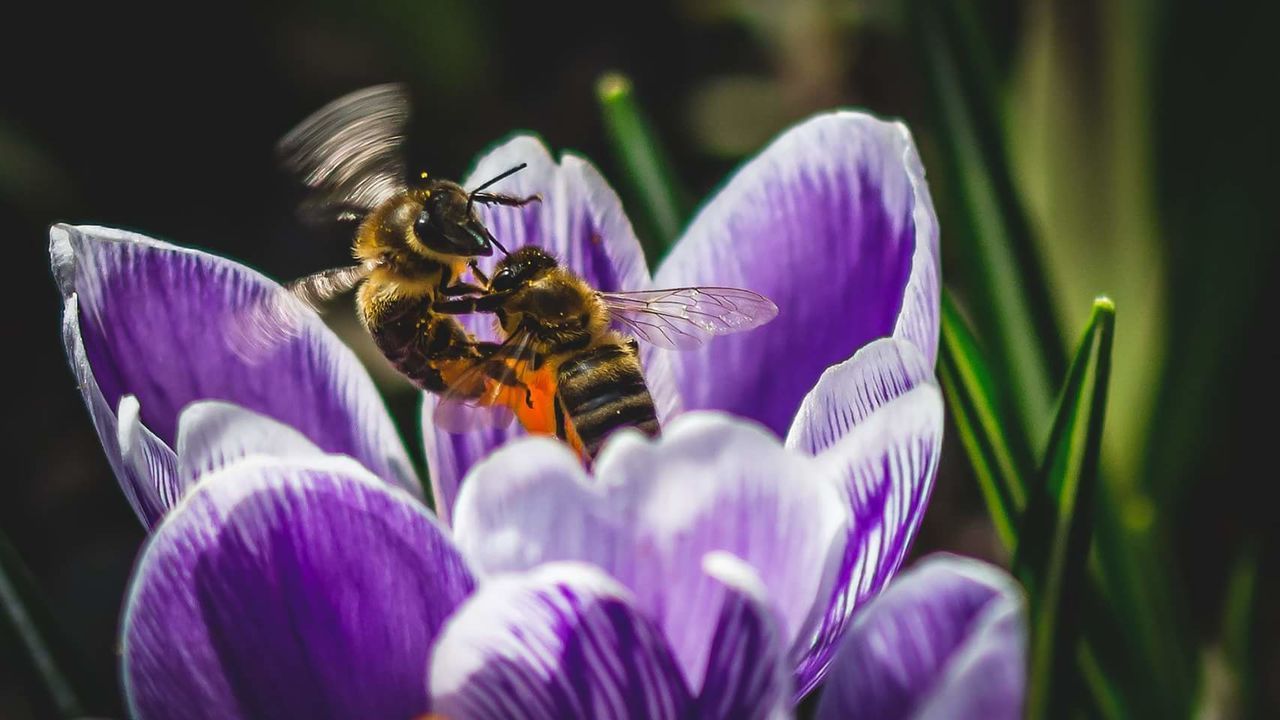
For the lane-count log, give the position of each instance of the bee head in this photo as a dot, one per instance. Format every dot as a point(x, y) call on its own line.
point(521, 268)
point(447, 223)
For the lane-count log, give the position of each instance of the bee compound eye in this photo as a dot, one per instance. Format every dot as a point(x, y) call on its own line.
point(423, 222)
point(504, 279)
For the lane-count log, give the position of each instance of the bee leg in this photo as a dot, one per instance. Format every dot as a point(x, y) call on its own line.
point(500, 199)
point(484, 348)
point(501, 372)
point(449, 288)
point(461, 289)
point(462, 306)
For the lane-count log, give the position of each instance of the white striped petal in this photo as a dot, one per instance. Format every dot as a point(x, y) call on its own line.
point(166, 325)
point(213, 434)
point(562, 641)
point(654, 509)
point(748, 674)
point(834, 223)
point(151, 466)
point(875, 422)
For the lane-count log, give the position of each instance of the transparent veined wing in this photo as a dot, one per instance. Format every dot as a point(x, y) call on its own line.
point(685, 318)
point(484, 394)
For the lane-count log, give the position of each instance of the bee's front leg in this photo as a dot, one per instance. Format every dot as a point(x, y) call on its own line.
point(501, 199)
point(463, 306)
point(448, 288)
point(461, 289)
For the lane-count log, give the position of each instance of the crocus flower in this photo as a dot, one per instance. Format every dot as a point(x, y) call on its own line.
point(833, 222)
point(306, 587)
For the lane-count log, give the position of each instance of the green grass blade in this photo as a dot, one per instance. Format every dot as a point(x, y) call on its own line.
point(1008, 288)
point(989, 229)
point(1052, 557)
point(997, 449)
point(28, 634)
point(1002, 462)
point(650, 181)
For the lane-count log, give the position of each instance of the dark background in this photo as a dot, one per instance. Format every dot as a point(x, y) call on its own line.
point(163, 121)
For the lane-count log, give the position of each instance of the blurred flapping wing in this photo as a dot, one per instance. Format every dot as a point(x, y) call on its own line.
point(350, 152)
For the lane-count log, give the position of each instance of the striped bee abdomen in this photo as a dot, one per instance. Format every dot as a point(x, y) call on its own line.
point(601, 390)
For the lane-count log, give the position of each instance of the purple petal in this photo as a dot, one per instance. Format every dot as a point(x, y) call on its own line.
point(152, 467)
point(748, 674)
point(946, 640)
point(581, 221)
point(876, 423)
point(211, 435)
point(655, 509)
point(289, 589)
point(834, 223)
point(146, 493)
point(563, 641)
point(214, 434)
point(155, 321)
point(451, 455)
point(848, 393)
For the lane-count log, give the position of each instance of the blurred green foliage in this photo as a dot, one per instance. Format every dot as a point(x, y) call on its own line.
point(33, 640)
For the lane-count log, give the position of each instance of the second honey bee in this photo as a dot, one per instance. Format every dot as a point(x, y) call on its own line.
point(563, 368)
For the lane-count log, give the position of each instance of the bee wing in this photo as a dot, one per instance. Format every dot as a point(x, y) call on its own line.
point(685, 318)
point(481, 395)
point(325, 285)
point(349, 152)
point(282, 315)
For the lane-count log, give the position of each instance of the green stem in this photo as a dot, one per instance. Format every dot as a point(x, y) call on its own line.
point(650, 181)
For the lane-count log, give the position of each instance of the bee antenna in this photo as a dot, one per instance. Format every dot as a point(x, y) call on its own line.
point(498, 245)
point(471, 197)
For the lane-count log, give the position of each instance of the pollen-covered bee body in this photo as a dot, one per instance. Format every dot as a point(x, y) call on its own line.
point(395, 301)
point(427, 348)
point(414, 241)
point(561, 311)
point(598, 379)
point(563, 369)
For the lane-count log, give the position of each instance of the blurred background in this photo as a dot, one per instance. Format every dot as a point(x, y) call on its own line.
point(1134, 138)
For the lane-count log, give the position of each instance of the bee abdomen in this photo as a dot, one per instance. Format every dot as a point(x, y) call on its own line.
point(602, 390)
point(419, 343)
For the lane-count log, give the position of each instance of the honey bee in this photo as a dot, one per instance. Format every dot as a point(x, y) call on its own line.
point(564, 368)
point(413, 244)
